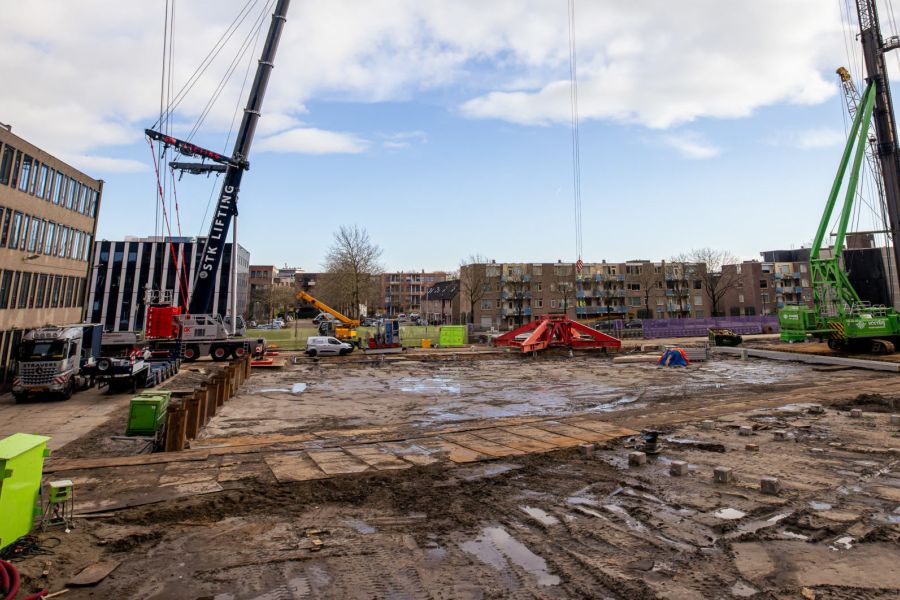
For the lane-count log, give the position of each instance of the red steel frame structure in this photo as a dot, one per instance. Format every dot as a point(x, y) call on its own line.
point(555, 331)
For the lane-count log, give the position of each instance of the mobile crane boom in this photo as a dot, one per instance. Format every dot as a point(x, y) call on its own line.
point(201, 300)
point(325, 308)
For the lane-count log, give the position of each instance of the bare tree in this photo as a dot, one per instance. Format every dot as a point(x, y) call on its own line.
point(473, 281)
point(716, 281)
point(648, 279)
point(519, 288)
point(284, 298)
point(565, 285)
point(352, 264)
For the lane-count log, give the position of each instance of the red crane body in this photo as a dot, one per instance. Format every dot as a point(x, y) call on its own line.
point(555, 331)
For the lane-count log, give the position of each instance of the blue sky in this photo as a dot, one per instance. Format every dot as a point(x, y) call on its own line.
point(444, 130)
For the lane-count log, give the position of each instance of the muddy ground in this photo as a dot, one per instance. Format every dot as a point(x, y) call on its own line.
point(559, 524)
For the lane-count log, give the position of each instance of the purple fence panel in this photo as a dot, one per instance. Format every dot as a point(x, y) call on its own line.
point(666, 328)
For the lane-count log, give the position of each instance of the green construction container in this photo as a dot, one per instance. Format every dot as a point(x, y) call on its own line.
point(147, 413)
point(21, 467)
point(452, 335)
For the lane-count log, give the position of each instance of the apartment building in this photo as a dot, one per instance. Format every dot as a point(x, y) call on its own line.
point(515, 293)
point(124, 270)
point(48, 219)
point(403, 292)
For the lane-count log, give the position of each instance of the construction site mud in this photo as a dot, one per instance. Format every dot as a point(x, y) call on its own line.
point(460, 478)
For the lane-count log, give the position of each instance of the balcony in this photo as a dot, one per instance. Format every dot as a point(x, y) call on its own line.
point(779, 304)
point(779, 290)
point(796, 274)
point(798, 289)
point(778, 276)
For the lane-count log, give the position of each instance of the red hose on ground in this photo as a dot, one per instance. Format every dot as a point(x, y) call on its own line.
point(9, 583)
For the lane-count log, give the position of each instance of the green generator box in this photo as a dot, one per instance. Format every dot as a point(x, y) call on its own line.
point(452, 335)
point(147, 413)
point(21, 468)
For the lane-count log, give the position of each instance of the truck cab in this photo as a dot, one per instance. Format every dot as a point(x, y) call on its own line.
point(51, 359)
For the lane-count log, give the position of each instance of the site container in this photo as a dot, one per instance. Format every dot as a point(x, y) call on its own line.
point(452, 335)
point(147, 413)
point(21, 467)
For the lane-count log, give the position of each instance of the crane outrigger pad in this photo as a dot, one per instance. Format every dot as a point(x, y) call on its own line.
point(555, 331)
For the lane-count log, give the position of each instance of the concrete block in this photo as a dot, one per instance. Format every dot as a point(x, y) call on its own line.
point(751, 448)
point(780, 435)
point(895, 419)
point(745, 430)
point(677, 468)
point(722, 475)
point(856, 413)
point(587, 450)
point(816, 409)
point(636, 459)
point(708, 424)
point(770, 485)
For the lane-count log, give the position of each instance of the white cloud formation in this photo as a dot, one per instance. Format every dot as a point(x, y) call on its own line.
point(403, 139)
point(104, 164)
point(810, 139)
point(309, 140)
point(690, 145)
point(82, 76)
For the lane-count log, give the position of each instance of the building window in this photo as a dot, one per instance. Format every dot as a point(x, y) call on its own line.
point(14, 291)
point(49, 238)
point(636, 301)
point(485, 305)
point(538, 286)
point(42, 182)
point(82, 199)
point(48, 190)
point(71, 193)
point(26, 288)
point(5, 282)
point(25, 232)
point(33, 235)
point(539, 303)
point(764, 298)
point(552, 302)
point(25, 173)
point(741, 298)
point(804, 282)
point(698, 284)
point(763, 284)
point(14, 232)
point(6, 163)
point(634, 286)
point(536, 270)
point(60, 188)
point(40, 238)
point(698, 300)
point(4, 233)
point(39, 290)
point(802, 267)
point(63, 238)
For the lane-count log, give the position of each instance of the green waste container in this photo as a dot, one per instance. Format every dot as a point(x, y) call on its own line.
point(21, 467)
point(452, 335)
point(147, 413)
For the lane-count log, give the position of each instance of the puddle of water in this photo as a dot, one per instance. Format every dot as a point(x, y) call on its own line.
point(820, 505)
point(790, 535)
point(629, 520)
point(298, 388)
point(581, 501)
point(754, 526)
point(497, 548)
point(273, 390)
point(360, 526)
point(429, 385)
point(486, 471)
point(540, 515)
point(611, 406)
point(729, 514)
point(742, 590)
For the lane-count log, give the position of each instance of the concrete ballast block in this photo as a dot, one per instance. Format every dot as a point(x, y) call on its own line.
point(856, 413)
point(708, 424)
point(816, 409)
point(780, 435)
point(677, 468)
point(722, 475)
point(751, 448)
point(895, 419)
point(636, 459)
point(770, 485)
point(745, 430)
point(587, 450)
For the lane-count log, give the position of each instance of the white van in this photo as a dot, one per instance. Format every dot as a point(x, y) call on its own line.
point(324, 345)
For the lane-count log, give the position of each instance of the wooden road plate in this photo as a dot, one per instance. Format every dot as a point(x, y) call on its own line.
point(337, 462)
point(512, 440)
point(378, 458)
point(481, 445)
point(94, 574)
point(293, 466)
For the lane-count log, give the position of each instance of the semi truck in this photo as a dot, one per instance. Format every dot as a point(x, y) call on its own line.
point(50, 360)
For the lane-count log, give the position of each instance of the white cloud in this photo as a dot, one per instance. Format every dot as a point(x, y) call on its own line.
point(810, 139)
point(403, 139)
point(104, 164)
point(81, 76)
point(690, 145)
point(309, 140)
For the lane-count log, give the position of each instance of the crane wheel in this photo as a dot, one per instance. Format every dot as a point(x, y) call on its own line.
point(239, 352)
point(191, 353)
point(219, 353)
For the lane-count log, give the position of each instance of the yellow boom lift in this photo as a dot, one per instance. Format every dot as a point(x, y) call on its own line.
point(347, 328)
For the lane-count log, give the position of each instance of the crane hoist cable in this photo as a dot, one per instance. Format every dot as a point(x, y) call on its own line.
point(576, 141)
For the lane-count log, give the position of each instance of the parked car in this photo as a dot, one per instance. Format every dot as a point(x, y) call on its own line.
point(324, 345)
point(322, 316)
point(634, 325)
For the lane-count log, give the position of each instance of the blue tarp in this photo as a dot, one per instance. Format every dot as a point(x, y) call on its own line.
point(673, 358)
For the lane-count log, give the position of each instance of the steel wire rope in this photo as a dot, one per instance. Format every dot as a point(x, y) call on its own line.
point(576, 141)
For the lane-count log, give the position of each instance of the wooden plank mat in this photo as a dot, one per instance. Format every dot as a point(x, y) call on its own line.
point(377, 458)
point(605, 428)
point(512, 440)
point(410, 452)
point(55, 465)
point(337, 462)
point(583, 435)
point(560, 441)
point(481, 445)
point(293, 466)
point(251, 440)
point(454, 452)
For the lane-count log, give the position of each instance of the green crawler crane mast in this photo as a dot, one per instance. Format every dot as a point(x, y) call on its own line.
point(839, 315)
